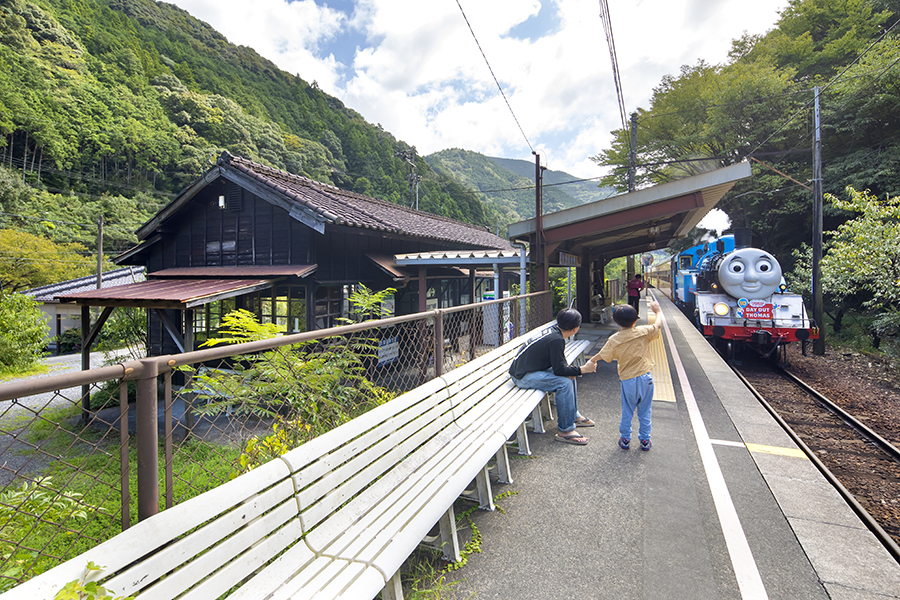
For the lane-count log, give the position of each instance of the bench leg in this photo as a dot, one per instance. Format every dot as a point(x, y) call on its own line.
point(504, 475)
point(547, 408)
point(522, 436)
point(485, 496)
point(449, 538)
point(537, 419)
point(393, 590)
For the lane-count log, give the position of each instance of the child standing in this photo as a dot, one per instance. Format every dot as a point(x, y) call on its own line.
point(630, 346)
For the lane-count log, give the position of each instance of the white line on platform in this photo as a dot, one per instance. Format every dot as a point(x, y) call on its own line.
point(745, 568)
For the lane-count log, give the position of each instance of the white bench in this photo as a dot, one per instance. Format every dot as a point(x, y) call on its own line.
point(337, 516)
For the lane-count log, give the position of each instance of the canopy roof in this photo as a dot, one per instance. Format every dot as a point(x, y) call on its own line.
point(168, 293)
point(638, 221)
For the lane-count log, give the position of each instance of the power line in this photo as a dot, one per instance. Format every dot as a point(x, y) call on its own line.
point(607, 28)
point(494, 76)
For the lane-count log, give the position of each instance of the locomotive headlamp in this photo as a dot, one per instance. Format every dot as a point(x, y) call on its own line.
point(721, 309)
point(782, 288)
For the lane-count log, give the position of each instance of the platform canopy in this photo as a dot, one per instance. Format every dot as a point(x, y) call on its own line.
point(635, 222)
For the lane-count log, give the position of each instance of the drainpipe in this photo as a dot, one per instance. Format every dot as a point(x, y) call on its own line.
point(523, 327)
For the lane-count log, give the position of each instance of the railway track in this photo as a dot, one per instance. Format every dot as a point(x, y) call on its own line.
point(862, 465)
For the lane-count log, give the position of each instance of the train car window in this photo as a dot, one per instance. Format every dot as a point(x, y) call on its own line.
point(685, 262)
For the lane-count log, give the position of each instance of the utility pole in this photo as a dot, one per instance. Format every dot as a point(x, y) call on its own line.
point(818, 307)
point(632, 155)
point(538, 258)
point(100, 252)
point(409, 156)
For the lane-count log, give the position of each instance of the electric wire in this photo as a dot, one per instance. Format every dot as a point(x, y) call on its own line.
point(610, 41)
point(502, 93)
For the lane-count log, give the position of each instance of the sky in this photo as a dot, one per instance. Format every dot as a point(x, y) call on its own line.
point(414, 66)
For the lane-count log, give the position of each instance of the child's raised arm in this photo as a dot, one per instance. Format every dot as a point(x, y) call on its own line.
point(654, 306)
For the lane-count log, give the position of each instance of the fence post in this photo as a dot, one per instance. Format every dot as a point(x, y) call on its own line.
point(147, 431)
point(439, 343)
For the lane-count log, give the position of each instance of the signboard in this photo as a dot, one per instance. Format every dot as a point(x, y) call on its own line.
point(388, 306)
point(388, 350)
point(755, 310)
point(568, 260)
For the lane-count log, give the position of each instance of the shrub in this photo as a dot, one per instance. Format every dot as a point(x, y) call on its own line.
point(22, 330)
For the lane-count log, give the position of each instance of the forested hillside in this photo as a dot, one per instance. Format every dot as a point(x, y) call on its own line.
point(759, 105)
point(124, 101)
point(508, 184)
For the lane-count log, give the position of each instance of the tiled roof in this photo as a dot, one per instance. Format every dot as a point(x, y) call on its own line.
point(115, 278)
point(342, 207)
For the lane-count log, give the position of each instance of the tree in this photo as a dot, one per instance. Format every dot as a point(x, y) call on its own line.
point(864, 258)
point(28, 261)
point(22, 330)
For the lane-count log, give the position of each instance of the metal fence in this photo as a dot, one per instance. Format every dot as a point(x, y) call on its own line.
point(85, 454)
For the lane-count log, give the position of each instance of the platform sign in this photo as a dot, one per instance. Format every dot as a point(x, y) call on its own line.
point(646, 259)
point(568, 260)
point(755, 310)
point(388, 350)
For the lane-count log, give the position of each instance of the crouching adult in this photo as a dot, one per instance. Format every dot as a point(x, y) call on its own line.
point(541, 365)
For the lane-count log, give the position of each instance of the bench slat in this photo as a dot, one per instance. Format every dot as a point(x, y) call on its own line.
point(320, 537)
point(327, 579)
point(297, 562)
point(151, 534)
point(411, 526)
point(364, 467)
point(235, 559)
point(320, 477)
point(217, 538)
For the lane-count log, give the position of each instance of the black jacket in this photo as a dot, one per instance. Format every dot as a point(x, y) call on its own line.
point(544, 353)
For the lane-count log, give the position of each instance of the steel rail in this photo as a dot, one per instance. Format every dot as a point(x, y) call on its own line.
point(861, 428)
point(886, 540)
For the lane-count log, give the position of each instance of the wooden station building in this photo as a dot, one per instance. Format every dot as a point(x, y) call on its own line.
point(288, 249)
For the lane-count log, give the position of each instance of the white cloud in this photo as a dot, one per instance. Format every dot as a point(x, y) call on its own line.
point(419, 72)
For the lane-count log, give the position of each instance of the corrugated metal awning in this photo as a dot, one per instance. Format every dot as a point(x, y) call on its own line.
point(178, 294)
point(459, 258)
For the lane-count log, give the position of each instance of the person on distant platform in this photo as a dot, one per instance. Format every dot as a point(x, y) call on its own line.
point(541, 365)
point(630, 347)
point(634, 292)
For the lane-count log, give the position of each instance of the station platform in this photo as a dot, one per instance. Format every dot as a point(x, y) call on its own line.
point(724, 506)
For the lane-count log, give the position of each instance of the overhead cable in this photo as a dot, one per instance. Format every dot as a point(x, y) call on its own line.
point(494, 76)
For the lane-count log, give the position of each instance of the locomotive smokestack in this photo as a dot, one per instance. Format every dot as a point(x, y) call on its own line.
point(743, 237)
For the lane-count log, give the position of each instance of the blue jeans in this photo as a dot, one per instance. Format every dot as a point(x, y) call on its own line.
point(566, 395)
point(637, 393)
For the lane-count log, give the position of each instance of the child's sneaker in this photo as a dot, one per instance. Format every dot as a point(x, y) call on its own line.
point(645, 444)
point(623, 443)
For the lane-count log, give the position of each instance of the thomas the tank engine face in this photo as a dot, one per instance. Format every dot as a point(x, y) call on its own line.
point(750, 273)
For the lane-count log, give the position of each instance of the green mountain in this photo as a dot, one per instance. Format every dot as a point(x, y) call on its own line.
point(129, 97)
point(507, 185)
point(582, 191)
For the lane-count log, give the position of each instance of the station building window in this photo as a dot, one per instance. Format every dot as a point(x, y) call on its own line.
point(330, 304)
point(286, 308)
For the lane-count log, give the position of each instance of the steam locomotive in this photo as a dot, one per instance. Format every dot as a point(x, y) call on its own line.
point(735, 294)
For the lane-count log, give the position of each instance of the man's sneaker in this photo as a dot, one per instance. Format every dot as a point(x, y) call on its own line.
point(646, 445)
point(623, 443)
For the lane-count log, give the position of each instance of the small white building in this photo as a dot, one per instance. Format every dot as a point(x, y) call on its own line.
point(63, 316)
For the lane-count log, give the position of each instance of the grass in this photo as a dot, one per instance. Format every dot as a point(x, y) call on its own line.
point(9, 375)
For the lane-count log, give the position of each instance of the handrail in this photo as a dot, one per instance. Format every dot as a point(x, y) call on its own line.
point(135, 369)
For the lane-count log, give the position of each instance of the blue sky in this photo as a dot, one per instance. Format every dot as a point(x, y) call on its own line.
point(414, 67)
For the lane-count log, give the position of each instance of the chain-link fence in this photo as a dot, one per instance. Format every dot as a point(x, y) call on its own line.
point(86, 454)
